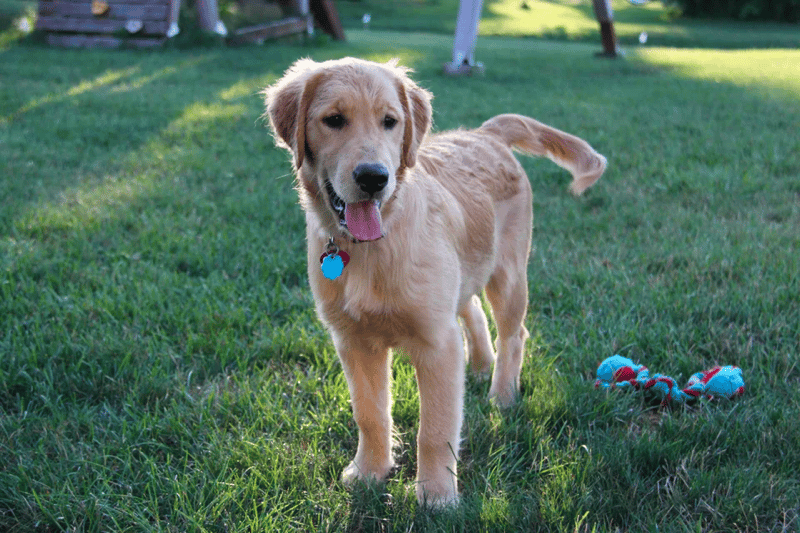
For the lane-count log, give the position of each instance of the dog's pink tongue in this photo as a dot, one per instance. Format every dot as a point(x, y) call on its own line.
point(363, 219)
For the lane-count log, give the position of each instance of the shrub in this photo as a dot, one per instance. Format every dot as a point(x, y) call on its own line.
point(775, 10)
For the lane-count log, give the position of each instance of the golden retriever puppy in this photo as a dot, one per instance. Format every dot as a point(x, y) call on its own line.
point(412, 228)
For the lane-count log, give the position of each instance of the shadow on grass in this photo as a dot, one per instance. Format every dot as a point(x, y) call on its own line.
point(102, 124)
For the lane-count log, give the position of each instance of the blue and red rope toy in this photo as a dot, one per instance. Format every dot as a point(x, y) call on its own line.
point(720, 381)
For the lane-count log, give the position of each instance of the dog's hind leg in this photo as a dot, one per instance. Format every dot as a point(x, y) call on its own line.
point(479, 348)
point(507, 292)
point(508, 307)
point(367, 371)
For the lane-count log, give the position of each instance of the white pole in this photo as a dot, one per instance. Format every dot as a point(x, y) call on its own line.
point(174, 13)
point(303, 7)
point(469, 15)
point(208, 16)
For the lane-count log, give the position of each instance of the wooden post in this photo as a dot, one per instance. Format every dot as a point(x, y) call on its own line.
point(327, 17)
point(605, 16)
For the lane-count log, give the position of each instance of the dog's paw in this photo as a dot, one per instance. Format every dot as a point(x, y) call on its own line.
point(504, 396)
point(355, 472)
point(481, 367)
point(436, 498)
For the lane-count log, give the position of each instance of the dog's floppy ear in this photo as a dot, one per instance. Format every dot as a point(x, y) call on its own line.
point(416, 103)
point(287, 103)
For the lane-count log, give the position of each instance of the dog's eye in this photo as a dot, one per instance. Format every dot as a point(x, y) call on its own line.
point(335, 122)
point(389, 122)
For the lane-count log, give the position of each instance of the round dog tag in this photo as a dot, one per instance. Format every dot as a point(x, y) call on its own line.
point(332, 264)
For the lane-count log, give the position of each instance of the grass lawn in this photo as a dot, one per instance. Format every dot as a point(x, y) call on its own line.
point(161, 367)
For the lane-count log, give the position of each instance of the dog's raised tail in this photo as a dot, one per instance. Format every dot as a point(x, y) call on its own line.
point(568, 151)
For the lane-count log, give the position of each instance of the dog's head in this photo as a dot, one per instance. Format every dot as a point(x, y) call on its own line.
point(354, 128)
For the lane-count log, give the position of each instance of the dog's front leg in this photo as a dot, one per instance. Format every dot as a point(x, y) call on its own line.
point(367, 371)
point(440, 377)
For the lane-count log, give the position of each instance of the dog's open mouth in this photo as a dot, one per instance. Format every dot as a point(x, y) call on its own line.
point(361, 219)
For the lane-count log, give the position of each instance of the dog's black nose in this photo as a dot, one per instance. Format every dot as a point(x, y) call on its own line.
point(371, 177)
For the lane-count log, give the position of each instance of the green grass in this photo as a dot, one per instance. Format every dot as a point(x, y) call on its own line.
point(161, 367)
point(571, 20)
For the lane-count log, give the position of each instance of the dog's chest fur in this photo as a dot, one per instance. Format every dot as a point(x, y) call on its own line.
point(376, 298)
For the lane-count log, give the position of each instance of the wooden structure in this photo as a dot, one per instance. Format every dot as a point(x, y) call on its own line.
point(323, 12)
point(104, 22)
point(148, 23)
